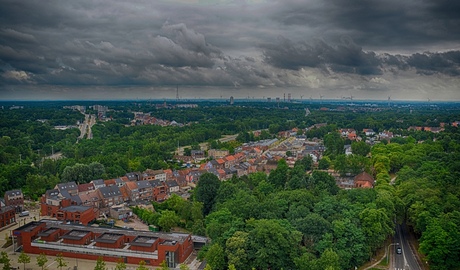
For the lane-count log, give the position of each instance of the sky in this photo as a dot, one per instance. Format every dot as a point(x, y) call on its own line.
point(154, 49)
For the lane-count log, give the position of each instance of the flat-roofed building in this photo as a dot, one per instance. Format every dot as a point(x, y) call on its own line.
point(52, 237)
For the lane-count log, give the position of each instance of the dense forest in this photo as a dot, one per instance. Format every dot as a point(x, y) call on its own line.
point(295, 218)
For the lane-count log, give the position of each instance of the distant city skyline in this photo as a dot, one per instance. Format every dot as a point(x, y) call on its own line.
point(337, 49)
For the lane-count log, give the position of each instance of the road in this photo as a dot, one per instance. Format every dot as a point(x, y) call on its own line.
point(407, 260)
point(85, 127)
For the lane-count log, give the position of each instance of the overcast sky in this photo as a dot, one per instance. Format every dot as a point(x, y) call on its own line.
point(368, 49)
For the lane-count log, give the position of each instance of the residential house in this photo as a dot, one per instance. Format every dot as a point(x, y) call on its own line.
point(229, 161)
point(7, 215)
point(110, 196)
point(160, 190)
point(90, 198)
point(133, 176)
point(369, 132)
point(15, 199)
point(78, 214)
point(198, 155)
point(172, 186)
point(85, 187)
point(133, 191)
point(216, 154)
point(67, 189)
point(145, 190)
point(109, 182)
point(99, 183)
point(119, 182)
point(160, 175)
point(52, 201)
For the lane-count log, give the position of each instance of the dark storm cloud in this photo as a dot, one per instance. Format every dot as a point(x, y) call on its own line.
point(344, 57)
point(251, 43)
point(431, 63)
point(376, 23)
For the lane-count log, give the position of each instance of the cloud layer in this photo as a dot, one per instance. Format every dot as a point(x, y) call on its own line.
point(331, 45)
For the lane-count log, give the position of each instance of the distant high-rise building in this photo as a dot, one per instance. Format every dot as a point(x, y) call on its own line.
point(231, 100)
point(269, 99)
point(289, 97)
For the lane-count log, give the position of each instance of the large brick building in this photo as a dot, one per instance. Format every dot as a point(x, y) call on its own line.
point(76, 241)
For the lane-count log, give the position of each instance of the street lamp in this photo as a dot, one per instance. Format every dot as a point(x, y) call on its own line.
point(388, 250)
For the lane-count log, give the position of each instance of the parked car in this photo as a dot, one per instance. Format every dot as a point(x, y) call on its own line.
point(398, 250)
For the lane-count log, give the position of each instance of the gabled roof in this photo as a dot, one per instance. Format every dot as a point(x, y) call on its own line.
point(220, 161)
point(16, 192)
point(144, 184)
point(67, 186)
point(109, 192)
point(172, 183)
point(119, 181)
point(51, 193)
point(131, 185)
point(98, 182)
point(109, 182)
point(132, 176)
point(89, 196)
point(155, 183)
point(85, 187)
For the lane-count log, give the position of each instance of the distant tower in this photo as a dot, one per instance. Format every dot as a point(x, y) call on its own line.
point(284, 97)
point(231, 100)
point(177, 92)
point(289, 97)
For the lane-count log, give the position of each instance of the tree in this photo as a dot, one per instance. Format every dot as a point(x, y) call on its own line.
point(334, 143)
point(168, 220)
point(121, 265)
point(183, 266)
point(324, 163)
point(272, 244)
point(216, 257)
point(360, 148)
point(278, 176)
point(60, 261)
point(42, 260)
point(24, 259)
point(441, 243)
point(143, 267)
point(164, 265)
point(5, 260)
point(236, 250)
point(100, 264)
point(206, 191)
point(329, 261)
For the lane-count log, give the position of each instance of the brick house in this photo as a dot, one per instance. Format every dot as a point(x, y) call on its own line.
point(110, 196)
point(145, 190)
point(77, 214)
point(7, 215)
point(14, 198)
point(160, 190)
